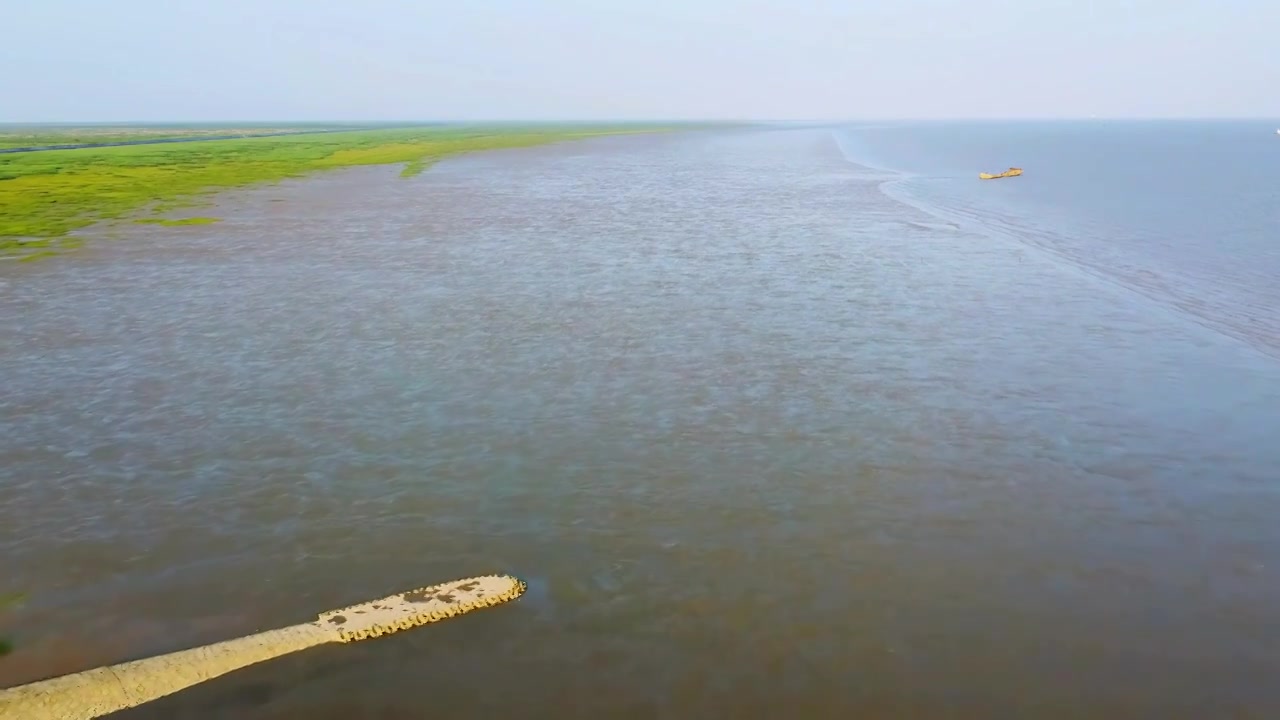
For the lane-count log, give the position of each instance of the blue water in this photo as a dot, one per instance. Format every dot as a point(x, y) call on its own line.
point(1184, 213)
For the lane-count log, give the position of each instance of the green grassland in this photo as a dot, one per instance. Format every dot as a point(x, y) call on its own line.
point(25, 136)
point(46, 194)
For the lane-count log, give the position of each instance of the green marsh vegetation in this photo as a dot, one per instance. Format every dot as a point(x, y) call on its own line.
point(25, 136)
point(46, 194)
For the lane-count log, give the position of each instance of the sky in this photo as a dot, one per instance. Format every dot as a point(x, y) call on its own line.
point(376, 60)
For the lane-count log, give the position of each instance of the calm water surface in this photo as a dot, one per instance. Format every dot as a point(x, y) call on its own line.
point(1184, 212)
point(765, 441)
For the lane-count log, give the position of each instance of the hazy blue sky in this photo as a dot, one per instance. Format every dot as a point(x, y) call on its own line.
point(69, 60)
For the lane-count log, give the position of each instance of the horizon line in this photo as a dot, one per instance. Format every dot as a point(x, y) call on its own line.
point(650, 120)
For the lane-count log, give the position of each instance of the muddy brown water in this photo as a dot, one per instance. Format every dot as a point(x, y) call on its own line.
point(764, 442)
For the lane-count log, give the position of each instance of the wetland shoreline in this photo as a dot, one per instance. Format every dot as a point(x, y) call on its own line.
point(47, 195)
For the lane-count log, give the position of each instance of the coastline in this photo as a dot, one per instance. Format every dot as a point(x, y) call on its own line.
point(48, 195)
point(213, 225)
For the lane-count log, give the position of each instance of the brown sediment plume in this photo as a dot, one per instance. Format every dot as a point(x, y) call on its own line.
point(104, 690)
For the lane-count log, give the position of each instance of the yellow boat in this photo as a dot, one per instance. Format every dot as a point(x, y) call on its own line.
point(1011, 172)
